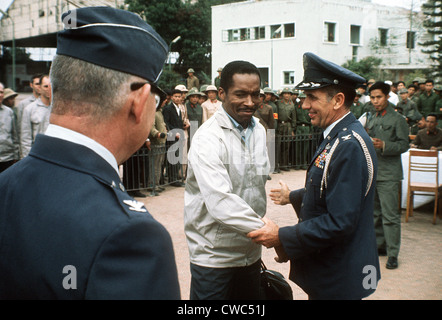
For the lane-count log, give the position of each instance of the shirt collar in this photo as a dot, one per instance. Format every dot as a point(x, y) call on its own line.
point(238, 126)
point(327, 131)
point(78, 138)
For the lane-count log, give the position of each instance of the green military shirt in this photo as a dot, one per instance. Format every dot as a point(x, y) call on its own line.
point(302, 117)
point(286, 117)
point(390, 127)
point(427, 103)
point(275, 113)
point(409, 110)
point(194, 113)
point(357, 109)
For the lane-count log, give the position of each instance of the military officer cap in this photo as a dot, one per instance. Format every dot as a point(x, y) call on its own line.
point(294, 91)
point(437, 87)
point(190, 70)
point(286, 90)
point(320, 73)
point(114, 39)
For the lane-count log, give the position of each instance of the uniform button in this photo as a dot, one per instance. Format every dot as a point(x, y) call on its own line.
point(121, 187)
point(114, 185)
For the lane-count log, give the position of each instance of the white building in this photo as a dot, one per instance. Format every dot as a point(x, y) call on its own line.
point(274, 35)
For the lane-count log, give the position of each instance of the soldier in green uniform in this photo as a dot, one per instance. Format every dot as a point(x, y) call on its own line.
point(286, 126)
point(265, 113)
point(303, 133)
point(268, 92)
point(357, 106)
point(408, 109)
point(389, 132)
point(428, 99)
point(217, 81)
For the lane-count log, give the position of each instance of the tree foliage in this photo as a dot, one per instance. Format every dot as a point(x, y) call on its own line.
point(367, 67)
point(433, 23)
point(189, 19)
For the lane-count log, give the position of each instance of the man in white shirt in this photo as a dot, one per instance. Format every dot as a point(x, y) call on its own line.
point(225, 195)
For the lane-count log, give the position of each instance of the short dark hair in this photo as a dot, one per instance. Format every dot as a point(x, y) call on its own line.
point(429, 81)
point(349, 93)
point(236, 67)
point(35, 76)
point(412, 86)
point(385, 88)
point(432, 115)
point(175, 91)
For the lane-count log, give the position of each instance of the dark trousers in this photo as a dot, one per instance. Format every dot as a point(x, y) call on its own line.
point(237, 283)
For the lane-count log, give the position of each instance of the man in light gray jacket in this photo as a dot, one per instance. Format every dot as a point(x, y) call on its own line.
point(225, 191)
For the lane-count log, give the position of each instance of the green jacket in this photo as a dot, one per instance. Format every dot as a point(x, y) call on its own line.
point(286, 113)
point(392, 128)
point(427, 103)
point(357, 109)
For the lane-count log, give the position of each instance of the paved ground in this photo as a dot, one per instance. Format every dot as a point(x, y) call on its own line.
point(418, 277)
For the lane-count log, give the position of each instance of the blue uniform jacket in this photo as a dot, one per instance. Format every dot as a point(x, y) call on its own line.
point(68, 230)
point(332, 249)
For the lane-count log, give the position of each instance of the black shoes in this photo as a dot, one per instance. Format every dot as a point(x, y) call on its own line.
point(178, 184)
point(392, 263)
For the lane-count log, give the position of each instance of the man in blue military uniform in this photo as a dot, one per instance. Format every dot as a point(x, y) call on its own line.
point(68, 228)
point(332, 249)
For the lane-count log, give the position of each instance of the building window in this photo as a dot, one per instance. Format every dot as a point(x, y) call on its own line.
point(260, 33)
point(289, 30)
point(329, 32)
point(289, 77)
point(355, 35)
point(383, 37)
point(411, 39)
point(244, 34)
point(275, 31)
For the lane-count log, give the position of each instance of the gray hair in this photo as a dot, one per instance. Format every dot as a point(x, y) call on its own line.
point(81, 88)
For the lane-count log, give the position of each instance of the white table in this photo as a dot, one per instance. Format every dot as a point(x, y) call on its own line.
point(419, 200)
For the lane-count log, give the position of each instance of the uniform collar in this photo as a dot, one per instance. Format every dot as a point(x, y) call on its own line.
point(330, 127)
point(74, 156)
point(76, 137)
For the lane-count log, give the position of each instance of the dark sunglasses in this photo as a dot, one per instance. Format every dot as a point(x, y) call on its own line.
point(159, 94)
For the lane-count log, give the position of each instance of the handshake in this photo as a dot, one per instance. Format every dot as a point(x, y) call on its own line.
point(268, 235)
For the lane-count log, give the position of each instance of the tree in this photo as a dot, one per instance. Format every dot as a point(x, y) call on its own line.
point(433, 23)
point(367, 67)
point(192, 20)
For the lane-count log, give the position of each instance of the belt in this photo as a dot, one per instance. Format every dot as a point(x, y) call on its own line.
point(283, 122)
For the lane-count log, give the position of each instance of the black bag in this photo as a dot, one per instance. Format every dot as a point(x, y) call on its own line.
point(274, 286)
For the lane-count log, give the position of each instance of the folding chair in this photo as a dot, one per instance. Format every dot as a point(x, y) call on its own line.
point(428, 162)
